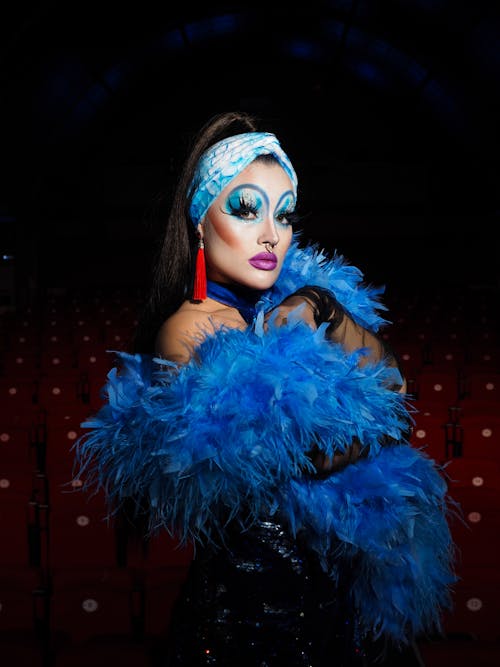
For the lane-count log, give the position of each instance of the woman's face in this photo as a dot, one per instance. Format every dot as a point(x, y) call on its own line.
point(246, 230)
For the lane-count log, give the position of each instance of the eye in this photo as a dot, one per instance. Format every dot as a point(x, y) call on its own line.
point(244, 212)
point(287, 217)
point(243, 207)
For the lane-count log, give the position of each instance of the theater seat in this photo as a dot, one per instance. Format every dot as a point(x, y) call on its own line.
point(79, 532)
point(89, 603)
point(476, 610)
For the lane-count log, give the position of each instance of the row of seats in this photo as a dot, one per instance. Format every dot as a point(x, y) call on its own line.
point(85, 581)
point(428, 381)
point(72, 579)
point(81, 388)
point(55, 619)
point(448, 343)
point(471, 435)
point(74, 589)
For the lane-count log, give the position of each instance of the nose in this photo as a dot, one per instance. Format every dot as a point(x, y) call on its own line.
point(269, 233)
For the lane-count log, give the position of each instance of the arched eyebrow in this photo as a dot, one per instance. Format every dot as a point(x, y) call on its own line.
point(280, 200)
point(251, 186)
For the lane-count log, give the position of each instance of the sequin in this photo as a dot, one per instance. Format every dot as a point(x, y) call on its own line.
point(262, 600)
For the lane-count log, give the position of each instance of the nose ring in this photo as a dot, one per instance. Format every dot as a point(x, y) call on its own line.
point(269, 246)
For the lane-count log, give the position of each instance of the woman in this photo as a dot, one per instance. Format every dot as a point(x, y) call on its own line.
point(262, 419)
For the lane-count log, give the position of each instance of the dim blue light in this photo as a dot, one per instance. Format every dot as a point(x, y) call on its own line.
point(212, 27)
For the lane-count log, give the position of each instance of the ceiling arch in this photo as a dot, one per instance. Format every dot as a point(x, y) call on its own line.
point(73, 63)
point(395, 101)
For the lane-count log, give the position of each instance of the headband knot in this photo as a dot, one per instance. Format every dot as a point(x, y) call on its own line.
point(225, 160)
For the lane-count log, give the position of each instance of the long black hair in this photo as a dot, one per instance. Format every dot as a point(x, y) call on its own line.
point(173, 267)
point(170, 284)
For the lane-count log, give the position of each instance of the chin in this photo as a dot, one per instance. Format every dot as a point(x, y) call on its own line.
point(264, 281)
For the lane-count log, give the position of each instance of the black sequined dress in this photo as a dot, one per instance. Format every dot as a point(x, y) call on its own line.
point(261, 601)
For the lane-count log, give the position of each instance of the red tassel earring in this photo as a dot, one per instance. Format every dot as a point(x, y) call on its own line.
point(200, 274)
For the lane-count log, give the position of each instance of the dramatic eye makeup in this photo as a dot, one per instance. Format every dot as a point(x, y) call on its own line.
point(247, 202)
point(285, 210)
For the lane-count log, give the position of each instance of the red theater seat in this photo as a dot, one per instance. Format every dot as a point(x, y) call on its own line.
point(437, 386)
point(18, 518)
point(16, 447)
point(62, 392)
point(63, 430)
point(446, 355)
point(481, 386)
point(475, 485)
point(476, 606)
point(79, 532)
point(17, 395)
point(480, 436)
point(92, 602)
point(430, 434)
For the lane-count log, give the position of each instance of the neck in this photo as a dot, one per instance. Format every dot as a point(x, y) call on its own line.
point(243, 298)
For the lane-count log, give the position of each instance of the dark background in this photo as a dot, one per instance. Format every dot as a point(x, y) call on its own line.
point(389, 110)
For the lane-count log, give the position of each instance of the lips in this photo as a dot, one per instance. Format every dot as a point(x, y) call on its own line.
point(265, 261)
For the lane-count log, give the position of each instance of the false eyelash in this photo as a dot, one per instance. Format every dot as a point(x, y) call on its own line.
point(292, 218)
point(243, 209)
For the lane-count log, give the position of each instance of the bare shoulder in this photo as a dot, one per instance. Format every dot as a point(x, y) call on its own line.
point(180, 334)
point(183, 331)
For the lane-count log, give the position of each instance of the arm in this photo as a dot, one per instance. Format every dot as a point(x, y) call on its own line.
point(322, 307)
point(318, 306)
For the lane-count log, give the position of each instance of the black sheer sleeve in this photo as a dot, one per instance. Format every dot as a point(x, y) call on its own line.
point(343, 330)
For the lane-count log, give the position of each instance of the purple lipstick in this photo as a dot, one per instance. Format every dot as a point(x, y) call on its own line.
point(266, 261)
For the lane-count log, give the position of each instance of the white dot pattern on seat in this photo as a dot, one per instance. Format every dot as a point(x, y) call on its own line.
point(82, 520)
point(90, 605)
point(474, 604)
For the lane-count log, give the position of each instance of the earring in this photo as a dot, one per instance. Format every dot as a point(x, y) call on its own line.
point(200, 274)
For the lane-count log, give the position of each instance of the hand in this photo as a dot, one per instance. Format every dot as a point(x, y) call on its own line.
point(301, 308)
point(326, 465)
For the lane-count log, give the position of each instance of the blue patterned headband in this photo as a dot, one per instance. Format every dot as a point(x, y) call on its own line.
point(225, 160)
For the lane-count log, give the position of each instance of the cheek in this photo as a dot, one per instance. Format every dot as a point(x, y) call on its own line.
point(230, 234)
point(225, 234)
point(286, 238)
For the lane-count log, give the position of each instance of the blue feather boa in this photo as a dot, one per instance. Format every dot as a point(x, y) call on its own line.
point(310, 265)
point(232, 428)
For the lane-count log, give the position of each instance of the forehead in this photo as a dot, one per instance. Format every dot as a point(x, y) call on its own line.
point(269, 176)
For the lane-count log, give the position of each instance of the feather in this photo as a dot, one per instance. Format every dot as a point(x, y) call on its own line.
point(310, 265)
point(228, 426)
point(386, 518)
point(228, 434)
